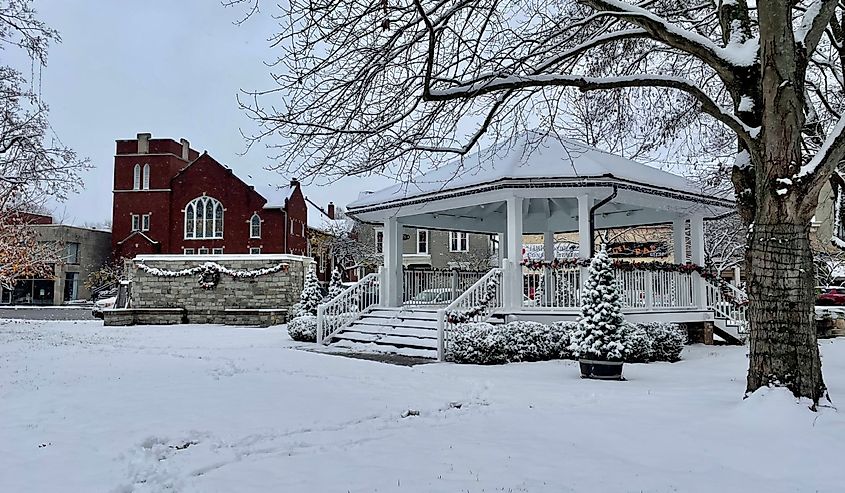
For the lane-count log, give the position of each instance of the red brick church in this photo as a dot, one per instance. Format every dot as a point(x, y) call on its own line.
point(170, 199)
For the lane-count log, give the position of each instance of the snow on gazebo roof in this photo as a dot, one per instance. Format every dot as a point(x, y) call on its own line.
point(529, 157)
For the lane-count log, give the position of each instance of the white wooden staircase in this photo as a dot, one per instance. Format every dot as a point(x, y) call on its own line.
point(392, 328)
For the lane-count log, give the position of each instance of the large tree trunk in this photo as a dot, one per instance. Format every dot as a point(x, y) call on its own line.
point(784, 351)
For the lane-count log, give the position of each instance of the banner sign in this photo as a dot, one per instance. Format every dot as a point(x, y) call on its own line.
point(654, 249)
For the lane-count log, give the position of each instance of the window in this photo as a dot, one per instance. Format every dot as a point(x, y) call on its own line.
point(204, 218)
point(136, 178)
point(255, 250)
point(71, 286)
point(146, 177)
point(145, 222)
point(189, 251)
point(380, 241)
point(217, 251)
point(458, 242)
point(203, 251)
point(255, 226)
point(422, 241)
point(136, 222)
point(72, 253)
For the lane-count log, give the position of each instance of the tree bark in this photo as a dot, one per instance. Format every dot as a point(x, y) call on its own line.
point(784, 351)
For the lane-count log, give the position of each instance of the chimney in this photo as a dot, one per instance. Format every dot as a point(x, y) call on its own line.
point(144, 143)
point(330, 210)
point(186, 147)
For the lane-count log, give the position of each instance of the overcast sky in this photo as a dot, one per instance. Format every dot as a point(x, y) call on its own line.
point(172, 68)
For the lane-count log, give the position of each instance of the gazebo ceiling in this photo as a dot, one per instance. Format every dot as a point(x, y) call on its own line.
point(549, 173)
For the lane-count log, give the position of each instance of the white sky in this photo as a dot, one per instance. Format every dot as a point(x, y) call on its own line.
point(165, 67)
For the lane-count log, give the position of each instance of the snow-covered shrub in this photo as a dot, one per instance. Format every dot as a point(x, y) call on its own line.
point(563, 332)
point(530, 341)
point(311, 297)
point(601, 324)
point(477, 343)
point(303, 328)
point(667, 341)
point(638, 344)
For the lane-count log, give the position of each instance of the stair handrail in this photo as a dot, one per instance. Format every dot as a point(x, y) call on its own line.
point(479, 301)
point(347, 307)
point(722, 307)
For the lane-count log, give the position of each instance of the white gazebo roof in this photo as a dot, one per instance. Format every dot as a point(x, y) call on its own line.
point(548, 174)
point(528, 158)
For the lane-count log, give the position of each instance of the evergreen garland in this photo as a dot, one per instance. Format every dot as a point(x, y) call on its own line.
point(463, 316)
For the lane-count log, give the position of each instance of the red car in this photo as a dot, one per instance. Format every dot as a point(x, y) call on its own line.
point(830, 296)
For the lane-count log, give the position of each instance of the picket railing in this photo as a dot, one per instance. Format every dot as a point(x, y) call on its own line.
point(476, 304)
point(339, 312)
point(549, 287)
point(436, 287)
point(728, 302)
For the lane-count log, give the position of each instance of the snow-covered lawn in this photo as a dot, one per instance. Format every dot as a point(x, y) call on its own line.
point(219, 409)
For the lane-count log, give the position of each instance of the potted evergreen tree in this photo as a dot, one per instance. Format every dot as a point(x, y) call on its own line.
point(598, 342)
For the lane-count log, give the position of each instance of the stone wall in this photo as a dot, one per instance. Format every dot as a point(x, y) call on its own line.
point(260, 301)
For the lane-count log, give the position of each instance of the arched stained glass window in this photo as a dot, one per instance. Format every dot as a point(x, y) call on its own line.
point(255, 226)
point(204, 218)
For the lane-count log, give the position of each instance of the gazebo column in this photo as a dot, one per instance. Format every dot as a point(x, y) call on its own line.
point(393, 278)
point(696, 231)
point(503, 249)
point(548, 256)
point(679, 240)
point(513, 279)
point(585, 236)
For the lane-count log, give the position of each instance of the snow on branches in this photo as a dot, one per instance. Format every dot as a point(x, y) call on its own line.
point(310, 297)
point(22, 255)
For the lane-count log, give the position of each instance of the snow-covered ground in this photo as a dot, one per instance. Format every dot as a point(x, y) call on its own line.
point(218, 409)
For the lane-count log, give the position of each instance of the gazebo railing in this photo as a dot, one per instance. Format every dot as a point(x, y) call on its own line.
point(552, 287)
point(649, 290)
point(560, 288)
point(436, 287)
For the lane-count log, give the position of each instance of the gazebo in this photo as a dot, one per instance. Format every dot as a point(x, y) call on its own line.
point(542, 186)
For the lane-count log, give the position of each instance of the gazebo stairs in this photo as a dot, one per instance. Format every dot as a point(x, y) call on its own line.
point(396, 328)
point(729, 330)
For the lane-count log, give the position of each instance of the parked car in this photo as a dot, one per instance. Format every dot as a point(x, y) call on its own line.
point(830, 296)
point(101, 305)
point(437, 296)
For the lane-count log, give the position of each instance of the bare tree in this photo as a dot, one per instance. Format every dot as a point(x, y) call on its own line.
point(22, 255)
point(341, 241)
point(374, 86)
point(724, 243)
point(34, 164)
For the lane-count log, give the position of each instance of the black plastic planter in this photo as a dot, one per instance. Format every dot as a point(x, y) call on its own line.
point(601, 370)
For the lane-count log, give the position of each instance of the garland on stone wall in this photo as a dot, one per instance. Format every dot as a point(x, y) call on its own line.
point(209, 272)
point(463, 316)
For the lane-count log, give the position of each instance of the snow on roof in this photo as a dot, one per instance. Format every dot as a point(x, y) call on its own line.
point(318, 219)
point(530, 156)
point(274, 194)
